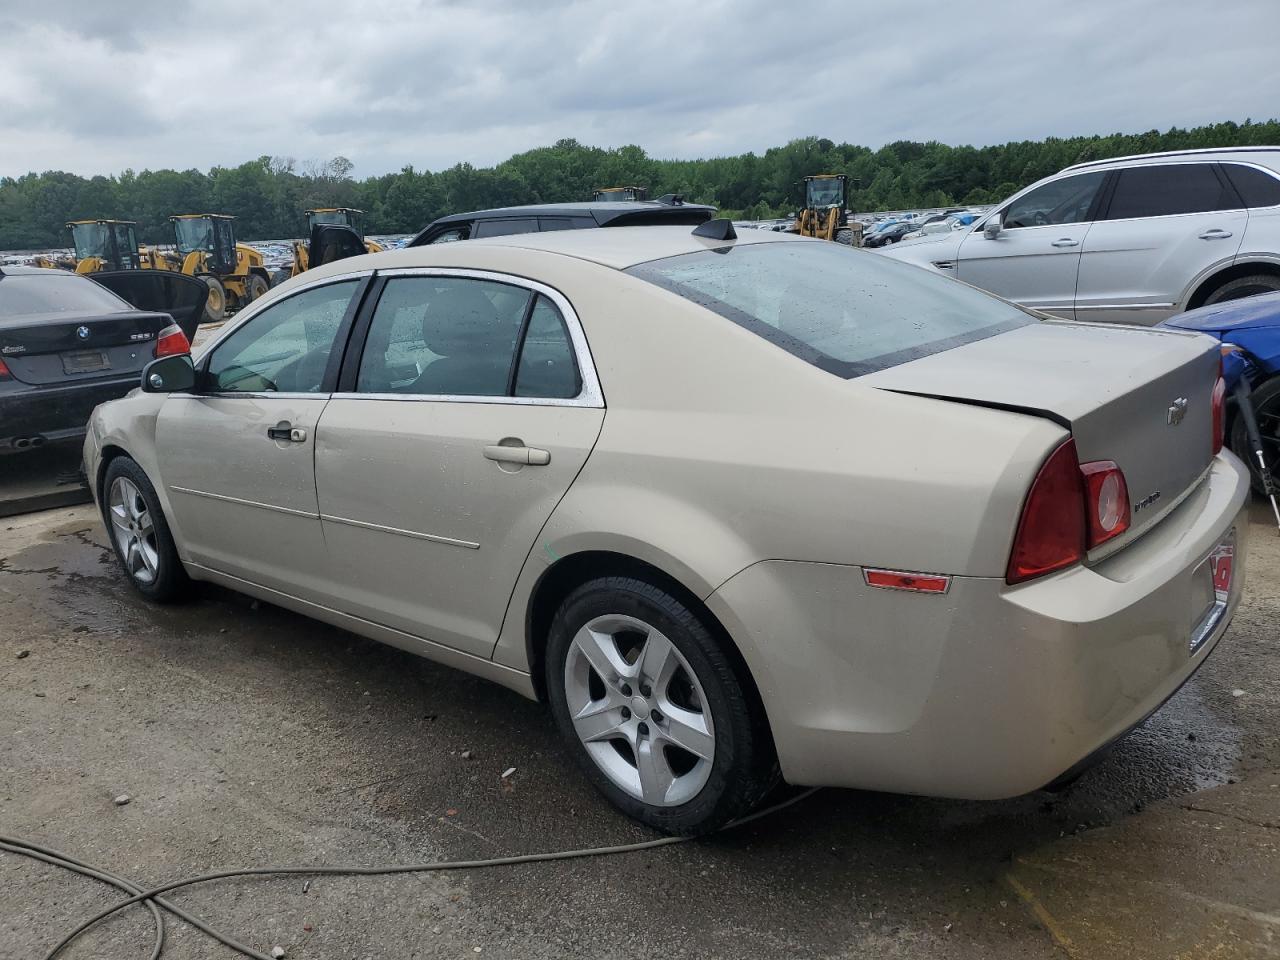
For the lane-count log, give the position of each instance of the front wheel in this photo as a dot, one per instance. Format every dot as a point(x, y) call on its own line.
point(653, 709)
point(256, 286)
point(1266, 407)
point(215, 308)
point(139, 533)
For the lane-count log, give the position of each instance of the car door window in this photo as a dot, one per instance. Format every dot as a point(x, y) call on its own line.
point(1162, 190)
point(451, 235)
point(1061, 201)
point(1256, 187)
point(284, 348)
point(546, 367)
point(444, 336)
point(505, 227)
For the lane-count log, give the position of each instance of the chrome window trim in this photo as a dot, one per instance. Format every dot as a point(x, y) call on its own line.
point(257, 307)
point(589, 396)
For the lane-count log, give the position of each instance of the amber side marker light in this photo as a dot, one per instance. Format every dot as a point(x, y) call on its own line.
point(899, 580)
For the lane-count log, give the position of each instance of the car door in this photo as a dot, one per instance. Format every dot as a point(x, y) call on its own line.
point(466, 416)
point(1035, 256)
point(236, 456)
point(1165, 225)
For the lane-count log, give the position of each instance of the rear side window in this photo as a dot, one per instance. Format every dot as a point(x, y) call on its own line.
point(505, 227)
point(1165, 189)
point(566, 223)
point(1256, 187)
point(546, 367)
point(845, 311)
point(55, 293)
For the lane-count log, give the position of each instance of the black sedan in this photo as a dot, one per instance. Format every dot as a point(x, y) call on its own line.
point(66, 345)
point(890, 234)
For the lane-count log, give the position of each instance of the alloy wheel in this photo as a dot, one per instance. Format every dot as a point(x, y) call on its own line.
point(639, 710)
point(134, 530)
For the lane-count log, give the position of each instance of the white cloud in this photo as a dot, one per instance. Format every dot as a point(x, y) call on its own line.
point(432, 84)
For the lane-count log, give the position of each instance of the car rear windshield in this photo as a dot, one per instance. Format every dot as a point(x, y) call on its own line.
point(57, 293)
point(849, 312)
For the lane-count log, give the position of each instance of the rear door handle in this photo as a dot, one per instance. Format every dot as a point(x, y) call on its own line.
point(1215, 234)
point(530, 456)
point(1066, 242)
point(287, 432)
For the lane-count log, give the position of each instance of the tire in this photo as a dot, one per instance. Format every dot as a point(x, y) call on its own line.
point(1266, 406)
point(215, 307)
point(256, 286)
point(845, 237)
point(1242, 287)
point(140, 534)
point(659, 656)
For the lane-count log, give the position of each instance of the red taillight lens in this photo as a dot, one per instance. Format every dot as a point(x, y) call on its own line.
point(4, 370)
point(1106, 501)
point(172, 341)
point(1051, 530)
point(1219, 411)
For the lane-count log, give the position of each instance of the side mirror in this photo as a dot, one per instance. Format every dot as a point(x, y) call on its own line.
point(991, 229)
point(169, 374)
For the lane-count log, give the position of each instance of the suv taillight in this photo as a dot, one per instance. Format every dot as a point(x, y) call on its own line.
point(1219, 411)
point(172, 341)
point(4, 370)
point(1071, 508)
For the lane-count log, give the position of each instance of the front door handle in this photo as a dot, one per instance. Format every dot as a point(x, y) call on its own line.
point(287, 432)
point(530, 456)
point(1215, 234)
point(1066, 242)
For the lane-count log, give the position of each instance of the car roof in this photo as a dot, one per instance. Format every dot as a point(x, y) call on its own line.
point(18, 271)
point(616, 247)
point(1271, 155)
point(601, 210)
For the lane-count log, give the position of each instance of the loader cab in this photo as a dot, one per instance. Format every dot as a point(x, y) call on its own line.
point(619, 194)
point(336, 216)
point(824, 191)
point(211, 233)
point(105, 244)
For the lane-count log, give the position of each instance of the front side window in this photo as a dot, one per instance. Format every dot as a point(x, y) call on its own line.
point(842, 310)
point(1058, 202)
point(451, 235)
point(1165, 189)
point(286, 347)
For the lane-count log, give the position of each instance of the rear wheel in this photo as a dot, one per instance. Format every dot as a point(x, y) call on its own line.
point(215, 307)
point(654, 710)
point(256, 286)
point(1242, 287)
point(845, 237)
point(1266, 407)
point(139, 533)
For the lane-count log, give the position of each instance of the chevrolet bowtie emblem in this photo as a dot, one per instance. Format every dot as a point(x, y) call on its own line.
point(1177, 410)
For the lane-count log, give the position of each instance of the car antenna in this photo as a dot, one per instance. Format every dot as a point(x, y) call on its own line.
point(717, 229)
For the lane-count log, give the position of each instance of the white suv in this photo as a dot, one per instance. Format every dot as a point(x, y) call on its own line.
point(1131, 240)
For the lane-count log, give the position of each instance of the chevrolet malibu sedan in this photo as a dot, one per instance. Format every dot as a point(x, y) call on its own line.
point(737, 508)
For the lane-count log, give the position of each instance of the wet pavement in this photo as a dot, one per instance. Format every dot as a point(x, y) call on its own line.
point(246, 736)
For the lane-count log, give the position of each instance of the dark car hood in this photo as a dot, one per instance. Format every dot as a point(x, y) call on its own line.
point(1251, 313)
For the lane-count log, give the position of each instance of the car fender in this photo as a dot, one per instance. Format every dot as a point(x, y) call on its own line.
point(1207, 274)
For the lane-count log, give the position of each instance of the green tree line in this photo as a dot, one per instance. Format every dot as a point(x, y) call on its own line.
point(269, 195)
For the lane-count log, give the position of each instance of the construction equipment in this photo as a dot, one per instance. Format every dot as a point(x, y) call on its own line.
point(619, 194)
point(348, 217)
point(824, 215)
point(104, 245)
point(206, 249)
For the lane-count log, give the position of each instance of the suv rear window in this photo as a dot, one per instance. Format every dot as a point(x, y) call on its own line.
point(37, 294)
point(847, 312)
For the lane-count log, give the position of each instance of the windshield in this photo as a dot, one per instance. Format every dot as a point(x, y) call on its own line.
point(53, 293)
point(845, 311)
point(825, 193)
point(345, 218)
point(90, 240)
point(194, 234)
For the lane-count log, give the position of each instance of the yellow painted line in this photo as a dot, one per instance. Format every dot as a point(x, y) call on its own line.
point(1044, 916)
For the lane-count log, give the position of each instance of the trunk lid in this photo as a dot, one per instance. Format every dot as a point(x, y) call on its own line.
point(40, 349)
point(1139, 397)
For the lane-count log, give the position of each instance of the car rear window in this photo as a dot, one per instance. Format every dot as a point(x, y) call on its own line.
point(55, 293)
point(1256, 188)
point(845, 311)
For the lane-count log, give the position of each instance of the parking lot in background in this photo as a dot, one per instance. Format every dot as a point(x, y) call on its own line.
point(245, 735)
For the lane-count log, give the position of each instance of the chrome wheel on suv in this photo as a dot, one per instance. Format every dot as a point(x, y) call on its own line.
point(639, 710)
point(134, 531)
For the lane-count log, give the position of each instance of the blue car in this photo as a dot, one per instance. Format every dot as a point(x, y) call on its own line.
point(1252, 325)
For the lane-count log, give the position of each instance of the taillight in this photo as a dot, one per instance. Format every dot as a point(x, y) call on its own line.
point(172, 341)
point(1106, 501)
point(1219, 411)
point(4, 370)
point(1071, 508)
point(1051, 530)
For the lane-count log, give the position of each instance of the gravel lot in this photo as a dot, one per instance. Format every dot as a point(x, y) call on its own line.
point(246, 736)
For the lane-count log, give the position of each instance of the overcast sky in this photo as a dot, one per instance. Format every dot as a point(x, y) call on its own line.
point(97, 89)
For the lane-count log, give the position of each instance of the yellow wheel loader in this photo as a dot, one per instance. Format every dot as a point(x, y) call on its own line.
point(105, 245)
point(206, 249)
point(824, 213)
point(619, 194)
point(348, 217)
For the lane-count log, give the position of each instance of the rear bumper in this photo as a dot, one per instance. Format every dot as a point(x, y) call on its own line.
point(987, 691)
point(32, 416)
